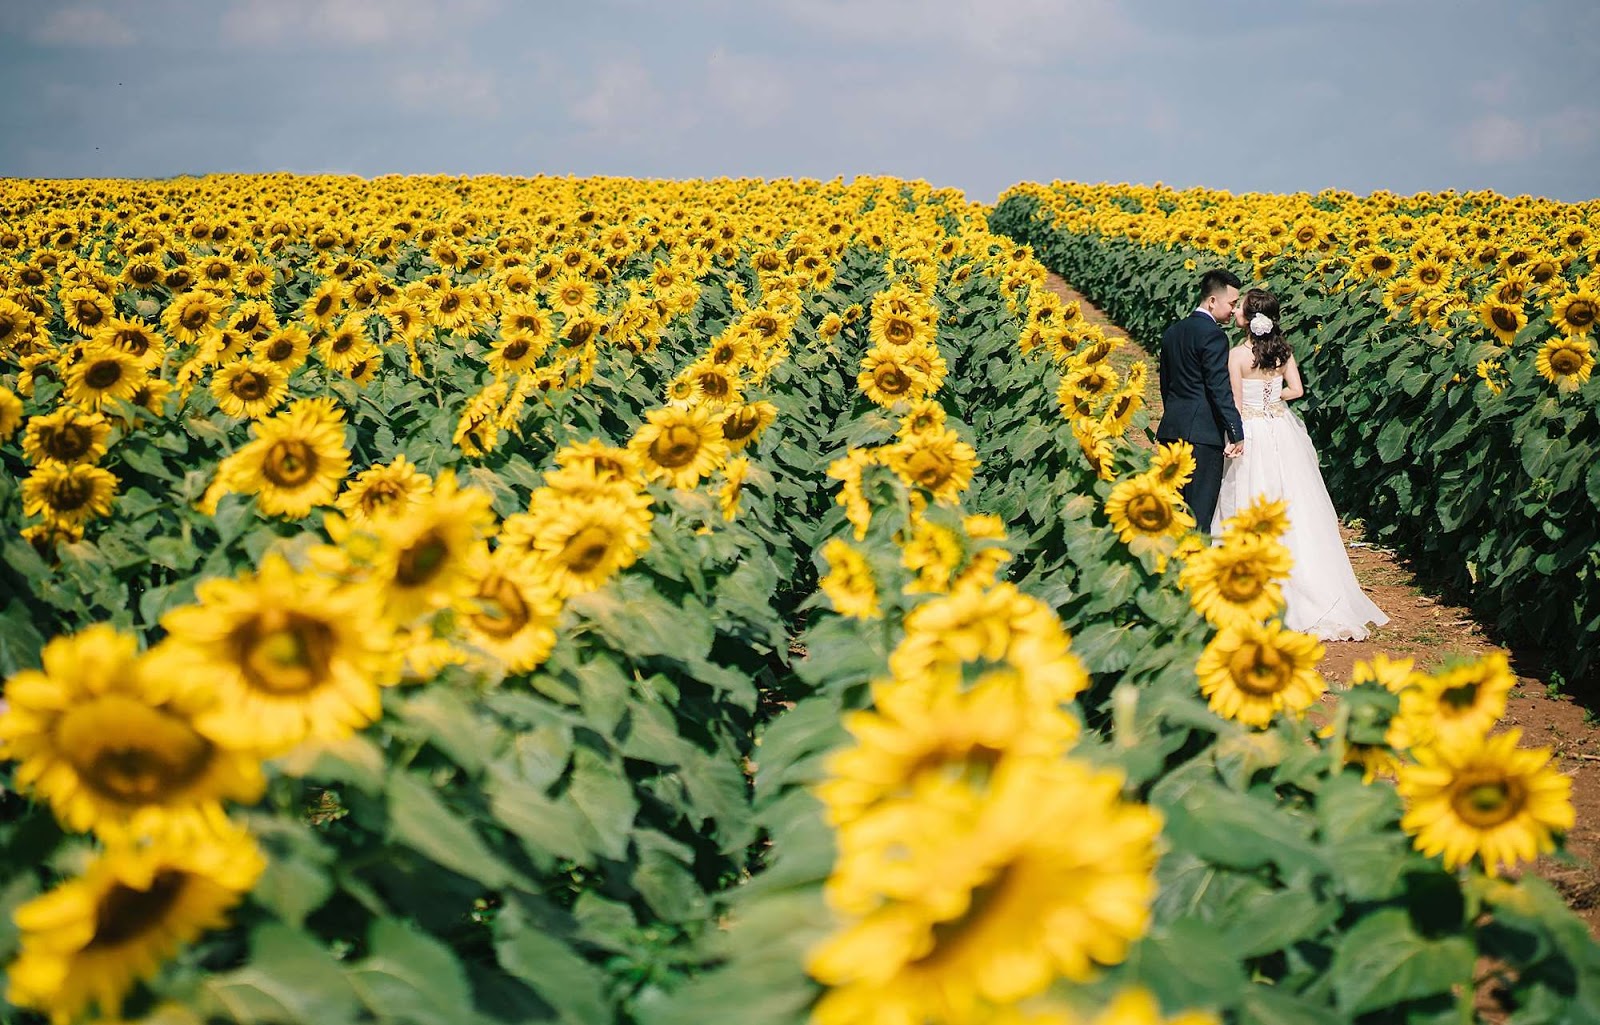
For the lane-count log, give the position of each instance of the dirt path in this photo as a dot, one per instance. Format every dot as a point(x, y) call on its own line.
point(1431, 632)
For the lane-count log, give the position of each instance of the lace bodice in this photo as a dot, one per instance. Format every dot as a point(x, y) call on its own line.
point(1262, 398)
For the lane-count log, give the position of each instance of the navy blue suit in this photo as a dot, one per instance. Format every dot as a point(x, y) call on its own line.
point(1197, 405)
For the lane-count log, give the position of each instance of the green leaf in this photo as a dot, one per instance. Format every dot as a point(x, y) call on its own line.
point(1382, 961)
point(409, 976)
point(451, 726)
point(355, 759)
point(1265, 1005)
point(419, 819)
point(1237, 830)
point(290, 978)
point(601, 793)
point(571, 985)
point(1392, 439)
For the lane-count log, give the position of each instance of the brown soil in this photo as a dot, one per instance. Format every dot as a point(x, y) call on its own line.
point(1426, 629)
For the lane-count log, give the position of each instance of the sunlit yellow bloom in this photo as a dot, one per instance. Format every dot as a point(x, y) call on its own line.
point(89, 940)
point(1237, 582)
point(69, 435)
point(1485, 798)
point(679, 446)
point(113, 747)
point(1251, 672)
point(68, 495)
point(850, 584)
point(288, 654)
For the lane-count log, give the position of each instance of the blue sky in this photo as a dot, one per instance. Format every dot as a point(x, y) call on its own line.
point(1270, 95)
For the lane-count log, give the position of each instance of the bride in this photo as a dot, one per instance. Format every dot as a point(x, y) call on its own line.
point(1321, 596)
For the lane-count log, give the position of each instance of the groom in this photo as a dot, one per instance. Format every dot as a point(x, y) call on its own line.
point(1196, 394)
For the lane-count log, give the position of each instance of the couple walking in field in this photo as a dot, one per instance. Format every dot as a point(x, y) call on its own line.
point(1230, 402)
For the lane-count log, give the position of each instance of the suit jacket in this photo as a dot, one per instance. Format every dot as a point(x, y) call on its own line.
point(1196, 395)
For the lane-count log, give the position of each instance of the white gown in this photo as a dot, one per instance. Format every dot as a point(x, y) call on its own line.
point(1321, 596)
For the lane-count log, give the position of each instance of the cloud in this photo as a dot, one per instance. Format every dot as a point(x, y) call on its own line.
point(84, 25)
point(466, 92)
point(626, 109)
point(756, 92)
point(347, 23)
point(1006, 31)
point(1497, 139)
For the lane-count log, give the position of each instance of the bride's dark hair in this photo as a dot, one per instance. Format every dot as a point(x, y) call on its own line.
point(1271, 349)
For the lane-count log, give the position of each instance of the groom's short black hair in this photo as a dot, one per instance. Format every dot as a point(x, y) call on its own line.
point(1214, 281)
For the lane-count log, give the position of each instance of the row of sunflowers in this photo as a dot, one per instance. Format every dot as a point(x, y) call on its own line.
point(589, 600)
point(1448, 344)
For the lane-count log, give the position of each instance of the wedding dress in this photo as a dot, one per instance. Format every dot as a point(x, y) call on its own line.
point(1321, 596)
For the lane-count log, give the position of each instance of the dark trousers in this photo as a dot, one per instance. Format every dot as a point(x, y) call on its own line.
point(1203, 488)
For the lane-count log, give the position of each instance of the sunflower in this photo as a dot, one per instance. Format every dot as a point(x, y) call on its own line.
point(715, 384)
point(887, 378)
point(113, 748)
point(849, 583)
point(384, 492)
point(1504, 319)
point(1143, 510)
point(64, 438)
point(89, 940)
point(938, 462)
point(324, 305)
point(581, 541)
point(1264, 517)
point(1574, 314)
point(1173, 463)
point(68, 495)
point(191, 315)
point(1236, 583)
point(680, 446)
point(11, 419)
point(1485, 798)
point(84, 309)
point(743, 423)
point(1053, 875)
point(425, 561)
point(1566, 362)
point(249, 388)
point(1454, 706)
point(288, 654)
point(513, 612)
point(1251, 672)
point(294, 463)
point(103, 375)
point(285, 347)
point(607, 463)
point(572, 294)
point(135, 338)
point(1095, 442)
point(734, 473)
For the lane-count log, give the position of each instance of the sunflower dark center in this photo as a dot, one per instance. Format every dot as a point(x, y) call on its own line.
point(502, 611)
point(282, 652)
point(1504, 318)
point(1150, 513)
point(103, 374)
point(891, 380)
point(1487, 801)
point(1566, 361)
point(125, 914)
point(585, 549)
point(1241, 583)
point(676, 446)
point(67, 443)
point(290, 463)
point(1260, 670)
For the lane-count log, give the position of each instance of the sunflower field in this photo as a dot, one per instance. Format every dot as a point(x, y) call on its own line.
point(1448, 344)
point(445, 600)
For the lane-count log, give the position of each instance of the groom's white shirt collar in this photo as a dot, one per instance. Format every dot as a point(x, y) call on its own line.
point(1202, 309)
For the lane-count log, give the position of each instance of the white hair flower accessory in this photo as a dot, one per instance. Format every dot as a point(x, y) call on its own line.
point(1260, 324)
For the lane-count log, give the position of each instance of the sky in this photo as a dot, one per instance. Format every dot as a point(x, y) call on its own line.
point(1244, 95)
